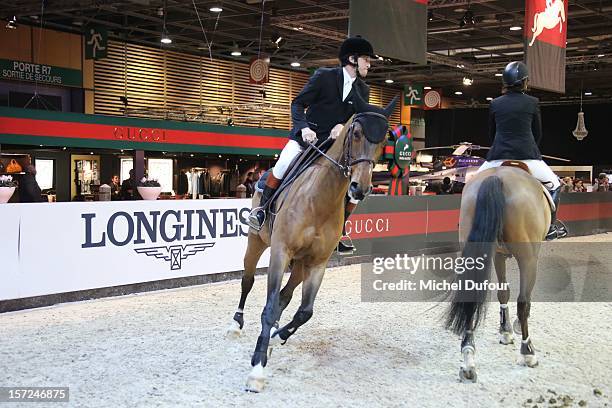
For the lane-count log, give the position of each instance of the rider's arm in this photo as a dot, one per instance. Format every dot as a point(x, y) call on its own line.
point(304, 99)
point(491, 125)
point(536, 124)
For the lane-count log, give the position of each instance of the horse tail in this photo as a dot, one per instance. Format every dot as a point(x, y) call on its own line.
point(468, 305)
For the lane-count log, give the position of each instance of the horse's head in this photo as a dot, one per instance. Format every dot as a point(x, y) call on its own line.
point(364, 142)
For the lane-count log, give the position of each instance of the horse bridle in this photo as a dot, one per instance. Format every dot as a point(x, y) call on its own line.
point(346, 168)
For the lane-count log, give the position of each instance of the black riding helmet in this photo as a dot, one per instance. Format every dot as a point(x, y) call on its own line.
point(355, 46)
point(515, 73)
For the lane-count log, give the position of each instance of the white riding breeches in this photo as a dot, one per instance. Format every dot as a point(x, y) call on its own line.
point(538, 168)
point(290, 151)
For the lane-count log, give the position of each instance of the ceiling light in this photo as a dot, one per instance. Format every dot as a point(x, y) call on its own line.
point(298, 28)
point(165, 39)
point(430, 15)
point(278, 40)
point(191, 155)
point(460, 66)
point(458, 93)
point(12, 23)
point(216, 9)
point(588, 93)
point(426, 87)
point(295, 63)
point(516, 28)
point(236, 51)
point(489, 98)
point(389, 81)
point(467, 81)
point(467, 19)
point(601, 55)
point(498, 74)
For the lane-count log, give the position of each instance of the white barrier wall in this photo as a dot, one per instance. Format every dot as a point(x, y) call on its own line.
point(64, 247)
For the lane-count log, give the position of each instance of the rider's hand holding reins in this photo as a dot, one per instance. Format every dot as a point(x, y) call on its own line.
point(308, 135)
point(335, 132)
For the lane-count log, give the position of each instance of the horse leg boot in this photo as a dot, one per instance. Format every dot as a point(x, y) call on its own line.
point(555, 231)
point(346, 248)
point(258, 214)
point(467, 372)
point(503, 295)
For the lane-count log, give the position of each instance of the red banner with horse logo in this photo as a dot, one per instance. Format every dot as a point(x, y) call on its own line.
point(545, 36)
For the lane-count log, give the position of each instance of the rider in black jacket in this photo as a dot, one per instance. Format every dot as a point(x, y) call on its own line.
point(515, 126)
point(319, 111)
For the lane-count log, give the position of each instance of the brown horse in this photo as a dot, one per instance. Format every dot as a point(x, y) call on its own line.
point(307, 227)
point(503, 213)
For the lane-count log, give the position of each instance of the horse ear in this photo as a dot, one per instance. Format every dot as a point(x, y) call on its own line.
point(391, 106)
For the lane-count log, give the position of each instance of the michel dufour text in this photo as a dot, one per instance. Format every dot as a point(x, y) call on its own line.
point(139, 227)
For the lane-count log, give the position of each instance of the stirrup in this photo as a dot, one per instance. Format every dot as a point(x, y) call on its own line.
point(346, 249)
point(557, 230)
point(253, 220)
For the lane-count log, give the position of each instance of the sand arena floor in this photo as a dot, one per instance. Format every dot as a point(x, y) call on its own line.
point(168, 348)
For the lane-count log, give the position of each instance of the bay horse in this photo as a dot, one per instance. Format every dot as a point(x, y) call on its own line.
point(307, 226)
point(504, 212)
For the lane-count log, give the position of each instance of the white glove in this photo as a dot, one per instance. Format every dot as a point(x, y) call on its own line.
point(335, 132)
point(308, 135)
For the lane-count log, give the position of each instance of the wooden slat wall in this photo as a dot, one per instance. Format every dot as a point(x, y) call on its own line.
point(169, 85)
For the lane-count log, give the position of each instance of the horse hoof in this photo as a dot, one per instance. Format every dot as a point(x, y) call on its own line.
point(468, 375)
point(233, 331)
point(529, 360)
point(256, 379)
point(516, 326)
point(506, 338)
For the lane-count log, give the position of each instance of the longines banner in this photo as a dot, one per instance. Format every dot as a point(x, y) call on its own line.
point(67, 247)
point(545, 35)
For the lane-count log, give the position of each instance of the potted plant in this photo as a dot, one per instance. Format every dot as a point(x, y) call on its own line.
point(7, 188)
point(149, 189)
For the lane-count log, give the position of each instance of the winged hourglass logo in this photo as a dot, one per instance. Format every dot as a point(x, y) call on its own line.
point(174, 254)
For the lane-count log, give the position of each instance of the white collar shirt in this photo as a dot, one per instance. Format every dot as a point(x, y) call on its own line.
point(348, 84)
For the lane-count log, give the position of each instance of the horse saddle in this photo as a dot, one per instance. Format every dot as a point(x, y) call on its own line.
point(297, 166)
point(523, 166)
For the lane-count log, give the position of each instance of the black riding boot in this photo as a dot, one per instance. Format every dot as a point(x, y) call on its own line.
point(555, 231)
point(346, 247)
point(258, 214)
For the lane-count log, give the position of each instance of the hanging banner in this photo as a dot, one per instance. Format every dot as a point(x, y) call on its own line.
point(96, 41)
point(545, 37)
point(396, 28)
point(259, 70)
point(43, 74)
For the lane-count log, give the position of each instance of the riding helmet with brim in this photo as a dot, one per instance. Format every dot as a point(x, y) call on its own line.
point(515, 73)
point(355, 46)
